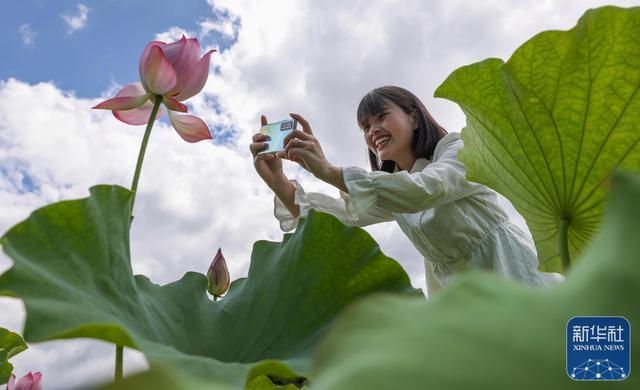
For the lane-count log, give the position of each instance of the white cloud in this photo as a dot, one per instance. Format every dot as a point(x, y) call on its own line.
point(225, 25)
point(77, 21)
point(28, 36)
point(208, 25)
point(314, 58)
point(224, 21)
point(173, 34)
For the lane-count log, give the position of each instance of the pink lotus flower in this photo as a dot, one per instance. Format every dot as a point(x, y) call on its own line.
point(174, 71)
point(218, 275)
point(27, 382)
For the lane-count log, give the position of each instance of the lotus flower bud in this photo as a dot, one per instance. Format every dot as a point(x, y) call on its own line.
point(218, 275)
point(27, 382)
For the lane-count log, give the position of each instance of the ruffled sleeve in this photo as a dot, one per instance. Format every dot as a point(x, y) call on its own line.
point(440, 182)
point(327, 204)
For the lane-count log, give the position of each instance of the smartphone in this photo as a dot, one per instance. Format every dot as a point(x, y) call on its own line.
point(277, 131)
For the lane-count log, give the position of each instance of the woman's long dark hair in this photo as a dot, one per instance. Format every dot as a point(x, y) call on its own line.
point(425, 137)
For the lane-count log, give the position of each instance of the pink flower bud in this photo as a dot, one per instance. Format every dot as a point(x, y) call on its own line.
point(27, 382)
point(218, 275)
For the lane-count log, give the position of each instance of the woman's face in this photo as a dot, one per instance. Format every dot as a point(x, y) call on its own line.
point(396, 125)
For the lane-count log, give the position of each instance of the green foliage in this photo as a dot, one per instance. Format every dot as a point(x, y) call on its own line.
point(73, 271)
point(487, 332)
point(547, 127)
point(11, 344)
point(166, 378)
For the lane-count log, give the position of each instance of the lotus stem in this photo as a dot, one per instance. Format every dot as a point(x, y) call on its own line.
point(143, 148)
point(119, 353)
point(564, 244)
point(134, 189)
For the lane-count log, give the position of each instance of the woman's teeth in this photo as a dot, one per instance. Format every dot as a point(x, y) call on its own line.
point(383, 143)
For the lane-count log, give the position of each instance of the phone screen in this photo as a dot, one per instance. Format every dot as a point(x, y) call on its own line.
point(277, 131)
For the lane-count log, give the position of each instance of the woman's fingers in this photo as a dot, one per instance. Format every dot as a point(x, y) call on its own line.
point(265, 156)
point(296, 134)
point(303, 122)
point(295, 143)
point(296, 147)
point(299, 158)
point(286, 154)
point(259, 137)
point(302, 139)
point(257, 147)
point(305, 135)
point(296, 154)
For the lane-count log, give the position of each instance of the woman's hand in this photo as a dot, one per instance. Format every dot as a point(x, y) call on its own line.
point(303, 147)
point(268, 166)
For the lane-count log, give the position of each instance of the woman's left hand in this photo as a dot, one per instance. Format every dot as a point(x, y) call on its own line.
point(303, 147)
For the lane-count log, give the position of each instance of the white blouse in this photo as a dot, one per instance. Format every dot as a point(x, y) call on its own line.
point(454, 223)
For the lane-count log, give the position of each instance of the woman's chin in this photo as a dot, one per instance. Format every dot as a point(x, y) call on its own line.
point(384, 155)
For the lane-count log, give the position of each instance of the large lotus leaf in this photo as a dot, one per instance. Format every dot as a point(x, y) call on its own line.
point(166, 377)
point(11, 344)
point(72, 269)
point(547, 127)
point(487, 332)
point(171, 379)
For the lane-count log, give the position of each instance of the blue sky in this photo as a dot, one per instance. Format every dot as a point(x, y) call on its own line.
point(105, 49)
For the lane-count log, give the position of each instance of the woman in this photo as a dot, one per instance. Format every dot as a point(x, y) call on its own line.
point(416, 180)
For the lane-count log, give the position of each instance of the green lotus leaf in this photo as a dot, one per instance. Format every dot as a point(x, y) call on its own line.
point(169, 378)
point(485, 331)
point(72, 270)
point(546, 128)
point(11, 344)
point(162, 377)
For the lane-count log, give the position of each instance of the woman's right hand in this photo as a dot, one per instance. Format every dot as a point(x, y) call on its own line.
point(268, 165)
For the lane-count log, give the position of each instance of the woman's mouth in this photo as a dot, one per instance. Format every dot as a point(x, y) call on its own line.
point(383, 144)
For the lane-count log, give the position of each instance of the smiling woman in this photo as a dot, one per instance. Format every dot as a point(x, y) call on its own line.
point(397, 110)
point(416, 180)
